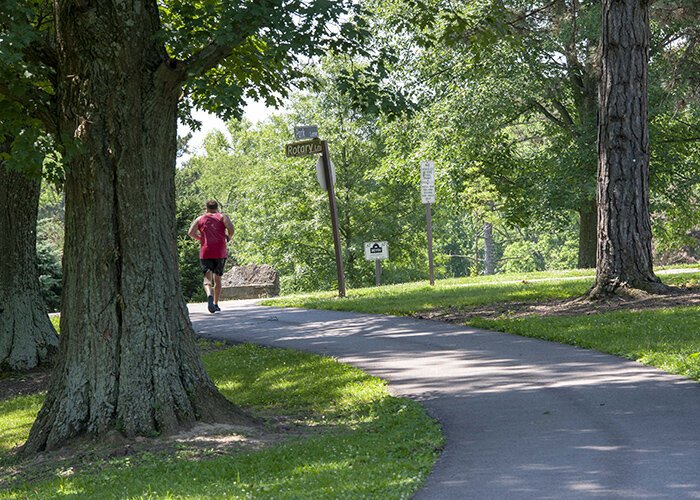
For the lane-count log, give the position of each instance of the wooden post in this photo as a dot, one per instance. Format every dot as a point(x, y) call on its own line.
point(334, 218)
point(377, 271)
point(429, 224)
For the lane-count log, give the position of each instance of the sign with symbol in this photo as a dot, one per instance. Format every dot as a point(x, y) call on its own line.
point(427, 182)
point(376, 250)
point(310, 132)
point(304, 148)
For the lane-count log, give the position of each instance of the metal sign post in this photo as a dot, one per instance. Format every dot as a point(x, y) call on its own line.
point(334, 218)
point(429, 225)
point(427, 193)
point(377, 251)
point(311, 147)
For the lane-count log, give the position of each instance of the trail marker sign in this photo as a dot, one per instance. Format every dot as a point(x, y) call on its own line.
point(376, 250)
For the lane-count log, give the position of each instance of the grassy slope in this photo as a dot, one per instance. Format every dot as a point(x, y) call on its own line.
point(417, 297)
point(667, 338)
point(369, 444)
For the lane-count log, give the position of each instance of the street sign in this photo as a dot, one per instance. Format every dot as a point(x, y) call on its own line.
point(427, 182)
point(320, 176)
point(376, 250)
point(310, 132)
point(304, 148)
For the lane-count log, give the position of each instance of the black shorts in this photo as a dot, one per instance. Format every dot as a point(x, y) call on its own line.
point(215, 265)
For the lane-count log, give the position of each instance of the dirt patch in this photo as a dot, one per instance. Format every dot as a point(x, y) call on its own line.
point(679, 297)
point(12, 385)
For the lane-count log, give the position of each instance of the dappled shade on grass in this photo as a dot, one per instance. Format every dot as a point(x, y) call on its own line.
point(359, 440)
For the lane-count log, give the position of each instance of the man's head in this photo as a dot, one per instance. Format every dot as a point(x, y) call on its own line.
point(212, 206)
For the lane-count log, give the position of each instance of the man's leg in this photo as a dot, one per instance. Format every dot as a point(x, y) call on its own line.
point(207, 283)
point(217, 288)
point(207, 288)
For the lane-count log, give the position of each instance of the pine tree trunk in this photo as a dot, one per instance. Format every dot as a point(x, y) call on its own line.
point(27, 337)
point(588, 236)
point(128, 358)
point(489, 250)
point(624, 228)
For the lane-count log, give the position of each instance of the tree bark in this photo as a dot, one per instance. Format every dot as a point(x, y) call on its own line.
point(624, 257)
point(27, 337)
point(128, 358)
point(588, 236)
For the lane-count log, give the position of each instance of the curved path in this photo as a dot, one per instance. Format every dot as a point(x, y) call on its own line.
point(523, 418)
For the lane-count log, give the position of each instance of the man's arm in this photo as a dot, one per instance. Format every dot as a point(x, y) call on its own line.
point(193, 232)
point(229, 227)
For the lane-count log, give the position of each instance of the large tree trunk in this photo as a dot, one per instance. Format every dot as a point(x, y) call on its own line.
point(624, 228)
point(588, 236)
point(27, 337)
point(128, 358)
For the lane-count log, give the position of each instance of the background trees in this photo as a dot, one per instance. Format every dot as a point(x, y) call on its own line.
point(504, 98)
point(27, 337)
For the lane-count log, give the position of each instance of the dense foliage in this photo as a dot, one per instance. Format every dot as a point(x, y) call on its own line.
point(502, 95)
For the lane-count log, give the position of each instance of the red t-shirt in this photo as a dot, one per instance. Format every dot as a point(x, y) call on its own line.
point(213, 231)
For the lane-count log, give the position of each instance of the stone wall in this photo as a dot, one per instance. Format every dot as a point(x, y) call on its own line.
point(250, 282)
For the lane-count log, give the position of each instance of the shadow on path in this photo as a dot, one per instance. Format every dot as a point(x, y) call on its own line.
point(523, 418)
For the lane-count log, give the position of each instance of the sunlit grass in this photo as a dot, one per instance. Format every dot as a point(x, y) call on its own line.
point(371, 445)
point(666, 338)
point(413, 298)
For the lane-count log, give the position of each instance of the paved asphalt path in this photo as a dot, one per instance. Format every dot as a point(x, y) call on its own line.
point(523, 419)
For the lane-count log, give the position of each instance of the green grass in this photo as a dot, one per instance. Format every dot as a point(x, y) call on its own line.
point(666, 338)
point(358, 441)
point(16, 418)
point(413, 298)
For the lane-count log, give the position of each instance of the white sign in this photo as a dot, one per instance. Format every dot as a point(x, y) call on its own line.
point(376, 250)
point(427, 181)
point(309, 132)
point(319, 173)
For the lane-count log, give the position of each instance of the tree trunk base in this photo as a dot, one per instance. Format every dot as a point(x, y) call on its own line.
point(209, 407)
point(613, 290)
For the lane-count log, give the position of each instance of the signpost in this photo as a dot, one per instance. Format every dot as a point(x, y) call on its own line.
point(316, 146)
point(377, 251)
point(427, 195)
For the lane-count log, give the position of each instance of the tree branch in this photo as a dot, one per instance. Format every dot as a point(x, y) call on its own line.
point(37, 103)
point(207, 58)
point(550, 115)
point(564, 113)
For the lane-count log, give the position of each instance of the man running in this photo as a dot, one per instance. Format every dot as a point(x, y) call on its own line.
point(213, 230)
